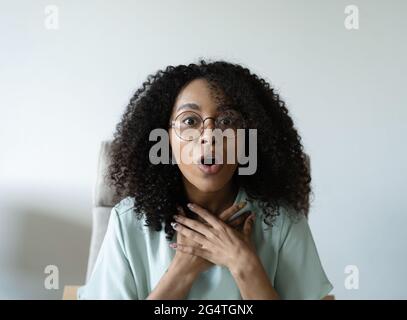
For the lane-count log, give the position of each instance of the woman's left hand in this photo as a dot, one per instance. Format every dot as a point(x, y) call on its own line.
point(219, 243)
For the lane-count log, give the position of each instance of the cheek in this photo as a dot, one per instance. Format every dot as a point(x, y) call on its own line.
point(182, 150)
point(229, 169)
point(176, 146)
point(230, 149)
point(188, 170)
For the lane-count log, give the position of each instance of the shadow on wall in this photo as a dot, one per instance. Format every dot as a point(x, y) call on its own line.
point(48, 239)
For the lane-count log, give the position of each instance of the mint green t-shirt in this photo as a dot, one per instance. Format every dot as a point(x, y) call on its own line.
point(133, 258)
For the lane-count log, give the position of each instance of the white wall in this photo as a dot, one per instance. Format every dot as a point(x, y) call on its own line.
point(63, 91)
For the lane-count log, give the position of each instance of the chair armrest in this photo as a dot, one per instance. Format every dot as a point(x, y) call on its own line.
point(70, 293)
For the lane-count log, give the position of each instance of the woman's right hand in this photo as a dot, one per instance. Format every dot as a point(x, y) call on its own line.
point(194, 265)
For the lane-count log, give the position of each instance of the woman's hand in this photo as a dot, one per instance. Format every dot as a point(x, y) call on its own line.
point(194, 263)
point(215, 240)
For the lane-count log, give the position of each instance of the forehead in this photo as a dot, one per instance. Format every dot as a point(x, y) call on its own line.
point(198, 95)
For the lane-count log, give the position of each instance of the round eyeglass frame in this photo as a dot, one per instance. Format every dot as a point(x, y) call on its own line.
point(172, 125)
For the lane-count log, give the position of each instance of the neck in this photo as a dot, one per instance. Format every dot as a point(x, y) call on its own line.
point(215, 202)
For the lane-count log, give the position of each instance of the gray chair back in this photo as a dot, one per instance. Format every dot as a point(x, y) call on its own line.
point(104, 199)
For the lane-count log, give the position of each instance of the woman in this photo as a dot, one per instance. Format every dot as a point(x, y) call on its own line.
point(200, 229)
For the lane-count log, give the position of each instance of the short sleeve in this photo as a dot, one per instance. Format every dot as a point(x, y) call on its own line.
point(299, 273)
point(111, 277)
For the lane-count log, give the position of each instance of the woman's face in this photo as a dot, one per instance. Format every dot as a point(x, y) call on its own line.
point(197, 97)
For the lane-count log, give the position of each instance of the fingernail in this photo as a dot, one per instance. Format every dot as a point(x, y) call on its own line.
point(190, 205)
point(173, 245)
point(174, 225)
point(242, 204)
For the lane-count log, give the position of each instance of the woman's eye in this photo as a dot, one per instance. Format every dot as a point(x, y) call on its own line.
point(226, 121)
point(189, 121)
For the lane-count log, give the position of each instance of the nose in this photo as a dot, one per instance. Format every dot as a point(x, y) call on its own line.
point(211, 124)
point(207, 134)
point(207, 138)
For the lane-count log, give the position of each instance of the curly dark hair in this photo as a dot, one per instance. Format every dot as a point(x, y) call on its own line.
point(282, 176)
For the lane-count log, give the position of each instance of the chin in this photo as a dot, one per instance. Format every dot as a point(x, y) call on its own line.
point(208, 186)
point(209, 183)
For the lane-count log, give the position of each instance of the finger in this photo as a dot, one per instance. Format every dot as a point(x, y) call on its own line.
point(179, 237)
point(204, 214)
point(183, 240)
point(196, 251)
point(226, 214)
point(248, 224)
point(190, 234)
point(195, 225)
point(181, 211)
point(239, 220)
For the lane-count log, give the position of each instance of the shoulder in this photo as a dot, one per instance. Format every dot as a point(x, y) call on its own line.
point(124, 205)
point(291, 218)
point(127, 216)
point(286, 223)
point(294, 226)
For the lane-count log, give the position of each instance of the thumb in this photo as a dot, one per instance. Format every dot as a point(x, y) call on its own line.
point(248, 225)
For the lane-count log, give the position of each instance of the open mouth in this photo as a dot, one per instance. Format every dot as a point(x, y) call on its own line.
point(209, 164)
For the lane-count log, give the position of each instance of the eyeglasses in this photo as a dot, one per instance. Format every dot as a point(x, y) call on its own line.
point(189, 125)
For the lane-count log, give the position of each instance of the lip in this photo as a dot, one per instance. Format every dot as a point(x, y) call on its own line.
point(210, 169)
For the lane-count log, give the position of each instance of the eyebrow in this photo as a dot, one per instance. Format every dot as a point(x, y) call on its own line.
point(189, 106)
point(197, 107)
